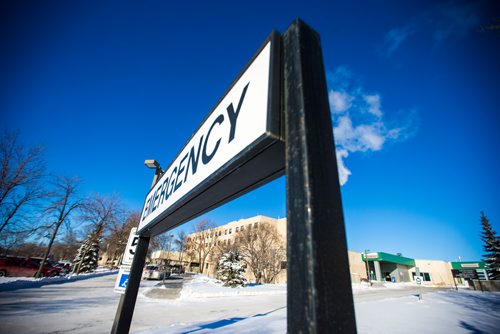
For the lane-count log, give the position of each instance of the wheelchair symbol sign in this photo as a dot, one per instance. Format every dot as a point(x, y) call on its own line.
point(122, 280)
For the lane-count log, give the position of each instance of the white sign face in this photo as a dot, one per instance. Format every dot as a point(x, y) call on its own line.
point(470, 265)
point(418, 279)
point(128, 256)
point(122, 279)
point(239, 120)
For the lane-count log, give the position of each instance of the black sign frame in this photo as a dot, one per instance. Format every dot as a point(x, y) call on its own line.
point(316, 239)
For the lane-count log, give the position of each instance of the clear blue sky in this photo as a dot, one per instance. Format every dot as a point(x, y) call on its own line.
point(412, 85)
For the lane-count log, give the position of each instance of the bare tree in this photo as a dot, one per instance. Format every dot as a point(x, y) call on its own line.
point(66, 247)
point(202, 241)
point(22, 170)
point(13, 242)
point(63, 205)
point(180, 243)
point(263, 251)
point(99, 212)
point(160, 243)
point(118, 237)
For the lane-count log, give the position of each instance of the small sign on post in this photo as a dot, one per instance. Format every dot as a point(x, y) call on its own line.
point(122, 279)
point(128, 257)
point(418, 280)
point(133, 239)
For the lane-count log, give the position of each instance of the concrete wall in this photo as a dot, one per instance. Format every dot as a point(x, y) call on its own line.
point(357, 267)
point(160, 257)
point(440, 271)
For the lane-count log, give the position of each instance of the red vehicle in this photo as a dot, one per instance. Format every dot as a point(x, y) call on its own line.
point(18, 266)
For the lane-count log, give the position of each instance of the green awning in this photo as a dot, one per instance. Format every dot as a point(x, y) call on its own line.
point(468, 265)
point(386, 257)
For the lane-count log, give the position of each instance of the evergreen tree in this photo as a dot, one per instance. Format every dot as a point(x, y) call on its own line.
point(230, 271)
point(88, 254)
point(491, 248)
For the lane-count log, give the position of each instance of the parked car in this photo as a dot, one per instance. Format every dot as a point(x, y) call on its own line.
point(155, 271)
point(18, 266)
point(176, 269)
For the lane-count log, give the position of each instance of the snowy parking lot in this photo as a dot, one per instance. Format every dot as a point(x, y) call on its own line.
point(200, 305)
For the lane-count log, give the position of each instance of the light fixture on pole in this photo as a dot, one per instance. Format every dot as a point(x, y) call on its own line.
point(367, 267)
point(153, 164)
point(171, 236)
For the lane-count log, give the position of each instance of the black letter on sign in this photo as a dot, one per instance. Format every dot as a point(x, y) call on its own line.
point(233, 116)
point(134, 243)
point(204, 157)
point(193, 159)
point(179, 172)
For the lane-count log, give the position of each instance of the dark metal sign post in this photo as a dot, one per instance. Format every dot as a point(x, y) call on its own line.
point(319, 283)
point(123, 317)
point(298, 140)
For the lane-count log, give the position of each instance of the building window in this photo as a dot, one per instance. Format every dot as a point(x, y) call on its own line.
point(425, 276)
point(242, 227)
point(237, 229)
point(225, 232)
point(230, 230)
point(255, 225)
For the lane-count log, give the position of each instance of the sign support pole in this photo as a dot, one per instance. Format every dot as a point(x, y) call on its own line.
point(125, 310)
point(319, 285)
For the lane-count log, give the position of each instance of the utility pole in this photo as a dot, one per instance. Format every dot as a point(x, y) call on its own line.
point(367, 267)
point(169, 245)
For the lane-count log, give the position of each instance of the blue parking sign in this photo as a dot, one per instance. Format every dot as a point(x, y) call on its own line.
point(122, 279)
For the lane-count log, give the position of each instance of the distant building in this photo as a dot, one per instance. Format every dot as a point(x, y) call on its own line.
point(223, 236)
point(381, 266)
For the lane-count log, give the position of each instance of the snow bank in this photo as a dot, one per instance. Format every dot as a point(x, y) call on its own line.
point(357, 287)
point(16, 283)
point(204, 287)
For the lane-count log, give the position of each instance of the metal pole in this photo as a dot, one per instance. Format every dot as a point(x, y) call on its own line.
point(125, 311)
point(367, 268)
point(319, 284)
point(126, 305)
point(169, 246)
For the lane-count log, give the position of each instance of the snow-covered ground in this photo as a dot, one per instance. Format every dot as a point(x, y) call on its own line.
point(204, 287)
point(203, 306)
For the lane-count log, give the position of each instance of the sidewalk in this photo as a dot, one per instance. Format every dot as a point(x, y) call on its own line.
point(167, 289)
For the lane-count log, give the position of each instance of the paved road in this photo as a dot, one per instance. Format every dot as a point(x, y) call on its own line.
point(167, 289)
point(384, 293)
point(89, 306)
